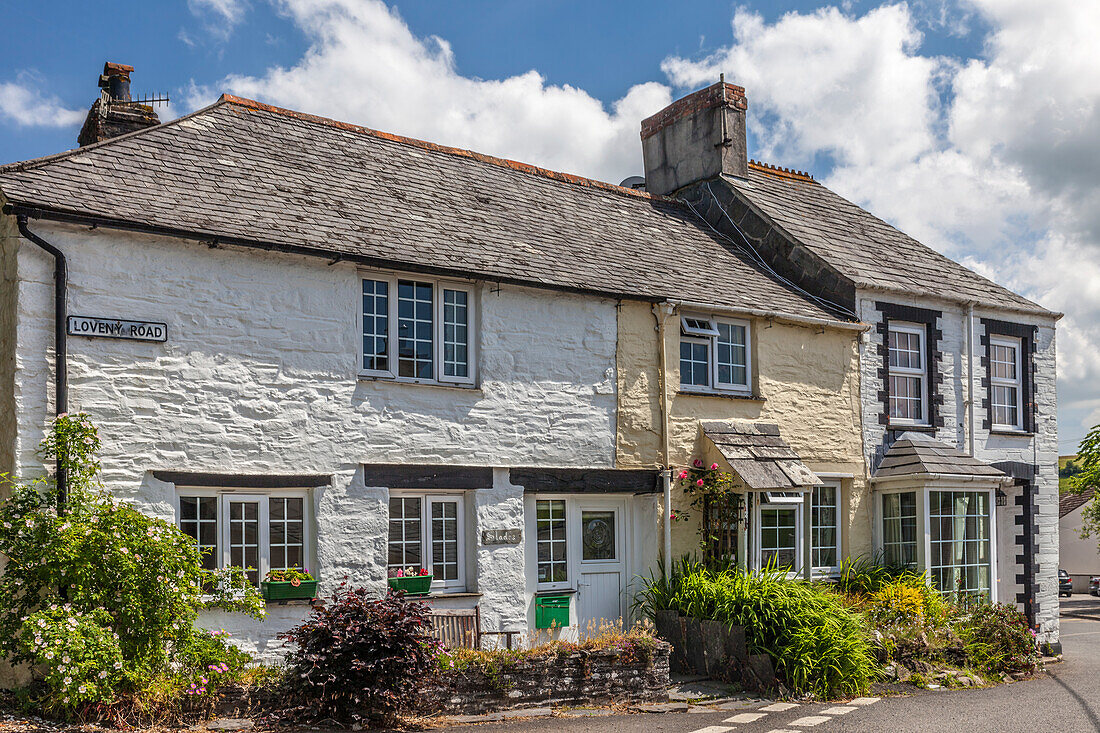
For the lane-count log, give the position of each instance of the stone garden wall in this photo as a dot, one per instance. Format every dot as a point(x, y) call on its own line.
point(570, 678)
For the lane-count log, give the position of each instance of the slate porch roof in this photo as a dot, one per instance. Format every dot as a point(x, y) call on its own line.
point(916, 454)
point(759, 455)
point(249, 172)
point(864, 248)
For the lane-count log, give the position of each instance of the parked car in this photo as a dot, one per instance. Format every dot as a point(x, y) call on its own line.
point(1094, 586)
point(1065, 583)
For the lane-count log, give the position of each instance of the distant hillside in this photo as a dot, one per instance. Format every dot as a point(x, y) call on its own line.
point(1065, 470)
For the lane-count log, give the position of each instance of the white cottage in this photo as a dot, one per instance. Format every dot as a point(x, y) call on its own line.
point(313, 344)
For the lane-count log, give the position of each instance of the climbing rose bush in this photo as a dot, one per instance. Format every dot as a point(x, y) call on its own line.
point(103, 586)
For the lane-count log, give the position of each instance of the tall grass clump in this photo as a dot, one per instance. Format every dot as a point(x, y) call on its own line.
point(816, 644)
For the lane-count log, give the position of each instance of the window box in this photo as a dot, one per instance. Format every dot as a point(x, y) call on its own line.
point(274, 590)
point(414, 585)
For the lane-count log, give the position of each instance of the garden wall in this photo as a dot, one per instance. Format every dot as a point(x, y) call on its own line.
point(571, 678)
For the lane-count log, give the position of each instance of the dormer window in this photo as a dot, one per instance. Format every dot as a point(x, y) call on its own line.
point(714, 354)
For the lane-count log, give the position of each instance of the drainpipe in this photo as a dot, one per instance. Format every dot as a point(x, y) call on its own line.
point(970, 377)
point(61, 371)
point(661, 312)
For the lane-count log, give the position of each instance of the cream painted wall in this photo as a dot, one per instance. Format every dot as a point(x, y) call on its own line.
point(806, 381)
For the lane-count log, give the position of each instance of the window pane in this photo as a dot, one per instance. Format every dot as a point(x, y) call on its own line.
point(415, 329)
point(732, 354)
point(244, 537)
point(199, 521)
point(376, 324)
point(694, 364)
point(823, 526)
point(906, 398)
point(960, 541)
point(899, 529)
point(456, 323)
point(445, 539)
point(552, 558)
point(778, 543)
point(598, 535)
point(287, 536)
point(405, 532)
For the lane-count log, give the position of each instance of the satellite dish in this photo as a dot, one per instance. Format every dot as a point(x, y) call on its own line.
point(635, 182)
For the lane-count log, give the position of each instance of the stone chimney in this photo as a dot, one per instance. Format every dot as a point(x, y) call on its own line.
point(114, 113)
point(696, 138)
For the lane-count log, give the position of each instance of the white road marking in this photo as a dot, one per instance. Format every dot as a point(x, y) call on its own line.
point(783, 730)
point(811, 720)
point(779, 707)
point(713, 729)
point(838, 710)
point(864, 701)
point(745, 718)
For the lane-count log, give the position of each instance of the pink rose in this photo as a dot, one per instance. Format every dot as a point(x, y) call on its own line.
point(699, 482)
point(698, 463)
point(714, 466)
point(683, 474)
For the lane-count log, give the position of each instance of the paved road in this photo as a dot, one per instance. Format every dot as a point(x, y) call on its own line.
point(1065, 698)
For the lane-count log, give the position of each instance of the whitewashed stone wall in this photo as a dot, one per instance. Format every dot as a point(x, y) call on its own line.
point(1040, 449)
point(259, 376)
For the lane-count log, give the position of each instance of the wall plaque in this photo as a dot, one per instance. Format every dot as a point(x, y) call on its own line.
point(117, 328)
point(501, 536)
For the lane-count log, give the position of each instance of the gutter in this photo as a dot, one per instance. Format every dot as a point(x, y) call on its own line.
point(61, 366)
point(773, 315)
point(970, 378)
point(924, 478)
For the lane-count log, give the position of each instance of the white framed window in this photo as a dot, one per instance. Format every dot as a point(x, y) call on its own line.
point(960, 561)
point(899, 529)
point(779, 536)
point(715, 354)
point(908, 387)
point(256, 531)
point(417, 329)
point(1006, 382)
point(428, 530)
point(552, 543)
point(825, 528)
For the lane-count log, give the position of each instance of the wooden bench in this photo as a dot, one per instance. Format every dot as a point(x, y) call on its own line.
point(461, 627)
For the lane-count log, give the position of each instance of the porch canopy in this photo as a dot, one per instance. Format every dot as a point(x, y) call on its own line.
point(916, 455)
point(759, 456)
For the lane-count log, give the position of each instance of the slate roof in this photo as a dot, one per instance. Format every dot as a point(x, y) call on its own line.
point(864, 248)
point(759, 455)
point(914, 454)
point(1067, 503)
point(247, 171)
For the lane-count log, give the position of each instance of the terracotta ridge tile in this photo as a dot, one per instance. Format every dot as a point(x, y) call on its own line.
point(781, 172)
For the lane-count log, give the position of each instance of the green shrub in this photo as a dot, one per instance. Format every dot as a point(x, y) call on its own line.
point(126, 586)
point(864, 576)
point(816, 644)
point(998, 639)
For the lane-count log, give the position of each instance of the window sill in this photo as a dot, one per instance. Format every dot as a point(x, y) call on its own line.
point(418, 382)
point(1014, 432)
point(295, 602)
point(724, 395)
point(916, 427)
point(436, 594)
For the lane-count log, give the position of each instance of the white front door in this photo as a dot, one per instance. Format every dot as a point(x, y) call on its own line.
point(598, 536)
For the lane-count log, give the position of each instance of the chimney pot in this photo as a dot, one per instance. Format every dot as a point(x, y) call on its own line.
point(115, 113)
point(696, 138)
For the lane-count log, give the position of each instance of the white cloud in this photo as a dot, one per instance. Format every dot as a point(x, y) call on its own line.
point(221, 16)
point(24, 106)
point(364, 65)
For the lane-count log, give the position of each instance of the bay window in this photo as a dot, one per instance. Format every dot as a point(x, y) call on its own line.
point(899, 529)
point(714, 354)
point(257, 532)
point(417, 329)
point(825, 528)
point(427, 531)
point(1005, 382)
point(908, 386)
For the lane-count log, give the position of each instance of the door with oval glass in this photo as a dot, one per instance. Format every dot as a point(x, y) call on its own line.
point(600, 546)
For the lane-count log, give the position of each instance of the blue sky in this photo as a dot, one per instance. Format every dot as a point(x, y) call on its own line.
point(972, 124)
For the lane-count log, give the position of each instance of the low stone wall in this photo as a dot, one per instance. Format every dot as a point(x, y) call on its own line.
point(573, 678)
point(709, 648)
